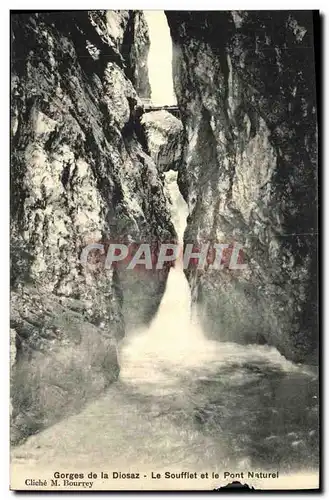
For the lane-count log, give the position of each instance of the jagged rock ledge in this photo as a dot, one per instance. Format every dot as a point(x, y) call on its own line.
point(79, 175)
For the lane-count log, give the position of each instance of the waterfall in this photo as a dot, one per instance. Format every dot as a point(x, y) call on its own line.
point(173, 341)
point(173, 347)
point(155, 359)
point(173, 325)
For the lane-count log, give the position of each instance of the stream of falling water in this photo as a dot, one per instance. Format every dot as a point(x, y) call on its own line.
point(185, 403)
point(172, 340)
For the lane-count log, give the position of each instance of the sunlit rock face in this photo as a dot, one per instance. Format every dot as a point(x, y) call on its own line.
point(135, 47)
point(79, 176)
point(245, 87)
point(164, 137)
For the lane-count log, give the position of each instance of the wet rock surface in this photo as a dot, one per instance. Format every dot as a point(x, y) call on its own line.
point(245, 86)
point(79, 175)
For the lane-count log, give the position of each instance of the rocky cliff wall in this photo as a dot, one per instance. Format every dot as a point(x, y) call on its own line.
point(79, 175)
point(245, 85)
point(164, 137)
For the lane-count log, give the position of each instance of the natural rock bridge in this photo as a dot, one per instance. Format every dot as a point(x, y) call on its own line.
point(174, 110)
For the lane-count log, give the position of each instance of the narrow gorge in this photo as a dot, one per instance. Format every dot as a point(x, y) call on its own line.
point(164, 366)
